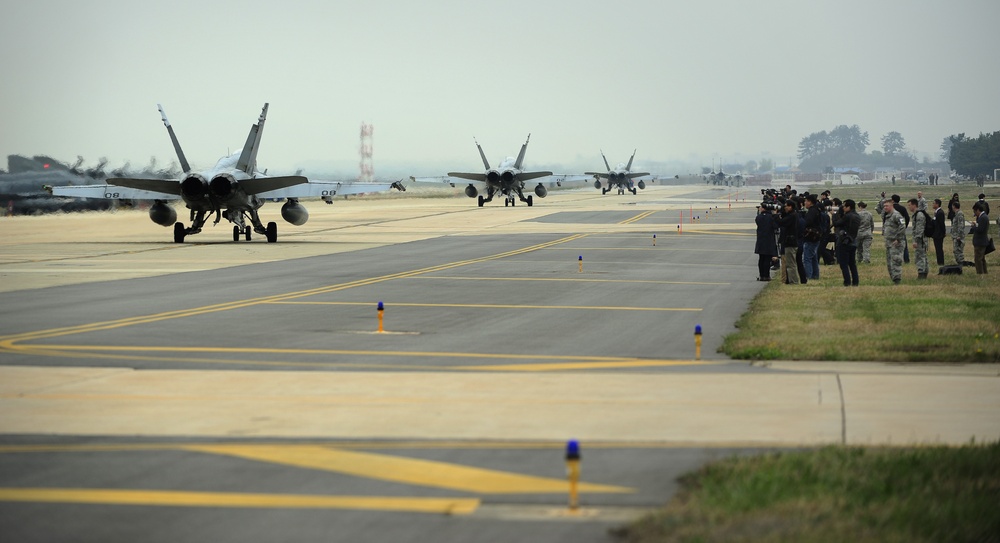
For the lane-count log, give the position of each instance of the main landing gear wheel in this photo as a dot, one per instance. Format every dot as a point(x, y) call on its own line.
point(506, 202)
point(236, 233)
point(529, 200)
point(604, 191)
point(179, 232)
point(633, 192)
point(481, 201)
point(247, 231)
point(272, 232)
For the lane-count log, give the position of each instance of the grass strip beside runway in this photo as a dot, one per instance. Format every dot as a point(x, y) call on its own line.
point(856, 494)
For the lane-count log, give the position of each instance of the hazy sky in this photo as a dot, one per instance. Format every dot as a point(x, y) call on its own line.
point(679, 80)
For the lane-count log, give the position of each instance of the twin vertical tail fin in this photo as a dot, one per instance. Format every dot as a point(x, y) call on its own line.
point(606, 165)
point(482, 155)
point(629, 166)
point(248, 158)
point(520, 156)
point(173, 139)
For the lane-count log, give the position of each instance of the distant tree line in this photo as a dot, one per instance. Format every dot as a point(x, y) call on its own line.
point(973, 157)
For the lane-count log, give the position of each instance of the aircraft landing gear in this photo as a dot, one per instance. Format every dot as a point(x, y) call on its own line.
point(236, 233)
point(272, 232)
point(179, 232)
point(247, 232)
point(633, 191)
point(481, 200)
point(528, 199)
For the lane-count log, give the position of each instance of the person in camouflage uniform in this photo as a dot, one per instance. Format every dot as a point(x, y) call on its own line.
point(958, 232)
point(919, 241)
point(865, 233)
point(894, 233)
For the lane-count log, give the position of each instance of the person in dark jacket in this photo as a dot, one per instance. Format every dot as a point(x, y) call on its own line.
point(767, 246)
point(980, 236)
point(984, 204)
point(951, 208)
point(939, 231)
point(788, 223)
point(810, 248)
point(846, 223)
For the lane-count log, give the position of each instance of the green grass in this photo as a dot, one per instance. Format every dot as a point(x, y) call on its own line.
point(940, 319)
point(835, 494)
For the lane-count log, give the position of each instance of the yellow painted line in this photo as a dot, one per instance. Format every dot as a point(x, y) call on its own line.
point(717, 233)
point(568, 279)
point(271, 350)
point(587, 365)
point(660, 249)
point(504, 306)
point(398, 469)
point(637, 218)
point(9, 342)
point(365, 445)
point(173, 498)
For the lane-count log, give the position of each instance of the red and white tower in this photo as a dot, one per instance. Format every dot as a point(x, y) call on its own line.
point(367, 168)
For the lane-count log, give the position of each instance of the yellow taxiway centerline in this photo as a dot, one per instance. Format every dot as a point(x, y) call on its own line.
point(174, 498)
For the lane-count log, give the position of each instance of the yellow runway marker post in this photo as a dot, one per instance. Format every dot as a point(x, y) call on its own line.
point(573, 472)
point(697, 342)
point(381, 310)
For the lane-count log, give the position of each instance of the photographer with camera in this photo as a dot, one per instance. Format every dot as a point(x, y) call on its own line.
point(846, 223)
point(767, 245)
point(788, 223)
point(812, 236)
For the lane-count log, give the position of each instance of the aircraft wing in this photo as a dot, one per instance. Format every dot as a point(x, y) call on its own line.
point(633, 175)
point(267, 184)
point(112, 192)
point(162, 186)
point(441, 179)
point(317, 189)
point(481, 177)
point(602, 175)
point(527, 176)
point(571, 179)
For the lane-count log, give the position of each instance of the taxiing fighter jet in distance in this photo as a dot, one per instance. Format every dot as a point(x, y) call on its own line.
point(620, 177)
point(507, 178)
point(233, 190)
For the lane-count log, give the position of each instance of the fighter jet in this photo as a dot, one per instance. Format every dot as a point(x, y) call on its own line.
point(507, 178)
point(233, 190)
point(620, 177)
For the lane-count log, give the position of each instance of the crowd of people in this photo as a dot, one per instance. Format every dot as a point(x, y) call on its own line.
point(794, 233)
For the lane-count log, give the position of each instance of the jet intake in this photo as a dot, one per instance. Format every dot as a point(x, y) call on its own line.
point(642, 184)
point(162, 214)
point(541, 191)
point(471, 191)
point(493, 177)
point(194, 187)
point(292, 211)
point(223, 186)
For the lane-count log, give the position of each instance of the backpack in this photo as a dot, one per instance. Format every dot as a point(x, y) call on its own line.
point(928, 224)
